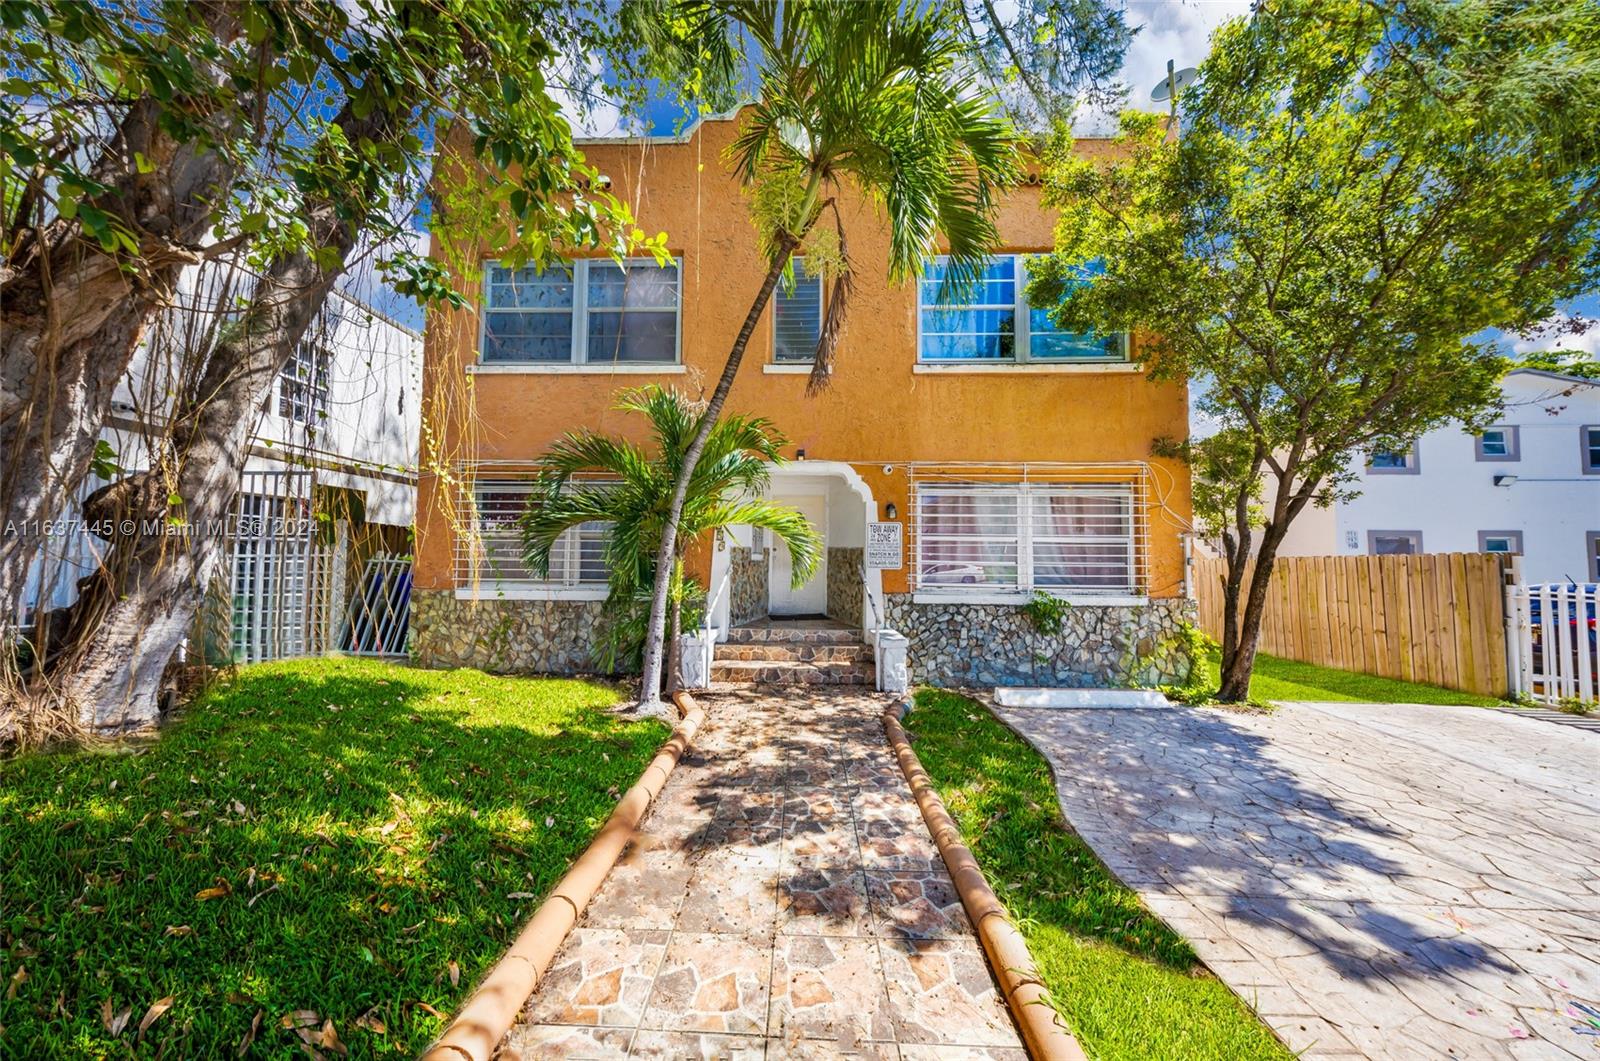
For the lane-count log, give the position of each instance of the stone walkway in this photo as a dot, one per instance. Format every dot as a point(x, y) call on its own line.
point(783, 900)
point(1377, 880)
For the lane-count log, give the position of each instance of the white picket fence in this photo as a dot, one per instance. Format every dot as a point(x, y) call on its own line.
point(1550, 642)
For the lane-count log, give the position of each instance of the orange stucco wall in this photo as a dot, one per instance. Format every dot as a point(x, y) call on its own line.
point(878, 411)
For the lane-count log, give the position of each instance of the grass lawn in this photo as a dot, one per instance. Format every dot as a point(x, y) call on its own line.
point(332, 840)
point(1127, 985)
point(1287, 679)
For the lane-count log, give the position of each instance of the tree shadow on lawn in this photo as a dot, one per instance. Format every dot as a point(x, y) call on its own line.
point(1192, 807)
point(326, 836)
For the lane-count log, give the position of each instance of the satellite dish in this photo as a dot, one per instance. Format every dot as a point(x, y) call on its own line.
point(1182, 79)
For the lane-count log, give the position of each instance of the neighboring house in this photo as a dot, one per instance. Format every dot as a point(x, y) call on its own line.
point(330, 482)
point(1011, 458)
point(1528, 485)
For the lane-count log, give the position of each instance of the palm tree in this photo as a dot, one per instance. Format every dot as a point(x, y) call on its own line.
point(588, 477)
point(877, 95)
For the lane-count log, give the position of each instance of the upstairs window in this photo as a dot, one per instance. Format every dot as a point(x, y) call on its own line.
point(303, 385)
point(992, 321)
point(578, 558)
point(1061, 538)
point(1393, 462)
point(1498, 444)
point(797, 318)
point(588, 312)
point(1589, 440)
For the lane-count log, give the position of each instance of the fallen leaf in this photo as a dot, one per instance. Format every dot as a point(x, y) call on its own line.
point(120, 1021)
point(219, 890)
point(455, 974)
point(371, 1023)
point(250, 1036)
point(153, 1014)
point(301, 1018)
point(178, 930)
point(237, 807)
point(105, 1013)
point(329, 1040)
point(388, 828)
point(1517, 1031)
point(521, 895)
point(429, 1009)
point(18, 978)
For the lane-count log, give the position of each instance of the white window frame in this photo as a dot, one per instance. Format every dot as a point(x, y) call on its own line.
point(579, 356)
point(566, 581)
point(1022, 338)
point(318, 396)
point(1005, 593)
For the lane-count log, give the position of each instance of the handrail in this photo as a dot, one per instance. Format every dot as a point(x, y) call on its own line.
point(711, 601)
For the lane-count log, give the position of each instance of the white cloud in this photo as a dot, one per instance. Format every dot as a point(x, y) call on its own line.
point(1552, 335)
point(1179, 30)
point(596, 116)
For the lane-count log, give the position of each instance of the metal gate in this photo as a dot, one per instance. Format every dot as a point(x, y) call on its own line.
point(379, 609)
point(1551, 641)
point(283, 580)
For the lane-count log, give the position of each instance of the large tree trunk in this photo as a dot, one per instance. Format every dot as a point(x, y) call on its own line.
point(71, 319)
point(650, 691)
point(1239, 664)
point(113, 676)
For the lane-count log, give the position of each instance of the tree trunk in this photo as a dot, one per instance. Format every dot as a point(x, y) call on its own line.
point(1238, 665)
point(71, 319)
point(650, 691)
point(113, 677)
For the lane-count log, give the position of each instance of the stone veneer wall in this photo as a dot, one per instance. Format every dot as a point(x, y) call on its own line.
point(508, 636)
point(747, 586)
point(996, 644)
point(845, 584)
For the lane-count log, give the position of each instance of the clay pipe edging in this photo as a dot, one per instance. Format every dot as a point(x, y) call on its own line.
point(491, 1009)
point(1046, 1038)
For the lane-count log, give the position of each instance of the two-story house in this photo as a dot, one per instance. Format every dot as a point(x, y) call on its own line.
point(967, 456)
point(1527, 485)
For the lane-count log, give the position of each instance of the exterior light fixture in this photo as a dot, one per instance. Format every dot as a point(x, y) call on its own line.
point(799, 454)
point(890, 512)
point(1504, 480)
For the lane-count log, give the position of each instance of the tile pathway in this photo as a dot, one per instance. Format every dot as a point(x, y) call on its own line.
point(783, 900)
point(1377, 880)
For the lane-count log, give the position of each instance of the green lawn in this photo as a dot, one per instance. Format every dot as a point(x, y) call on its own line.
point(342, 840)
point(1287, 679)
point(1128, 986)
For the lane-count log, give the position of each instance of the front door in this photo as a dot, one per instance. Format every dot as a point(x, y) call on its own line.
point(811, 598)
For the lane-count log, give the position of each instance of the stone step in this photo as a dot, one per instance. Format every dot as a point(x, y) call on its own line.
point(805, 635)
point(794, 652)
point(769, 672)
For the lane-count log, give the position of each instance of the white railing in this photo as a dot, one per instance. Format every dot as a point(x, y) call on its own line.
point(1550, 638)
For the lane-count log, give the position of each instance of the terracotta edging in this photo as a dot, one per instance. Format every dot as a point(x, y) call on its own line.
point(1042, 1031)
point(491, 1009)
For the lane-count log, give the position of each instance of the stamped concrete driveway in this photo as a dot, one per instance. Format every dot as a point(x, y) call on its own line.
point(1377, 880)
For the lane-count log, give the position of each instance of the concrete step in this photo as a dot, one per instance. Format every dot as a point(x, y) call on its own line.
point(797, 634)
point(769, 672)
point(794, 652)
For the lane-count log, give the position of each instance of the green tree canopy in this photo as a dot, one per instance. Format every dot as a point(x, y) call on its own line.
point(1358, 192)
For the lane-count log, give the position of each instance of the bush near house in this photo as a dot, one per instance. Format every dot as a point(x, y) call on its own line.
point(316, 841)
point(1127, 985)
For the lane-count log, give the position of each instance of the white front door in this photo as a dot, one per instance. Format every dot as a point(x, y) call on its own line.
point(811, 598)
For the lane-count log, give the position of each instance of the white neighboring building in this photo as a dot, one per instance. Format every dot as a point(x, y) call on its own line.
point(1530, 484)
point(342, 423)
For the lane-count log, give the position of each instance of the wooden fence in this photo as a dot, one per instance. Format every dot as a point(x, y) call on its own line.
point(1437, 618)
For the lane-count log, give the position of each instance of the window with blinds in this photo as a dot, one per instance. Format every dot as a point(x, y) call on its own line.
point(797, 317)
point(1060, 538)
point(592, 311)
point(578, 559)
